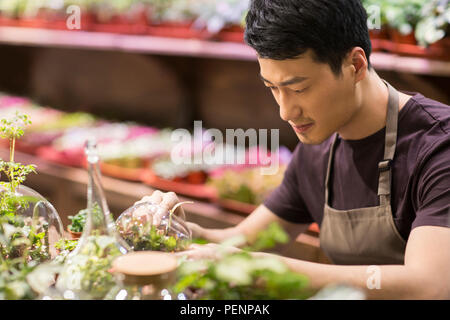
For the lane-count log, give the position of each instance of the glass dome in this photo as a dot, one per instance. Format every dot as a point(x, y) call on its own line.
point(137, 225)
point(41, 217)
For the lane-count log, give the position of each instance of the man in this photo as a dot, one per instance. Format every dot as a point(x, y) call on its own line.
point(373, 164)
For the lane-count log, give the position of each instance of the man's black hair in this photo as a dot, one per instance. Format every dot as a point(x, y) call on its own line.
point(285, 29)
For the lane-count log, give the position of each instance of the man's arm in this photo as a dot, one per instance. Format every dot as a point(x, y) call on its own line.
point(425, 274)
point(259, 220)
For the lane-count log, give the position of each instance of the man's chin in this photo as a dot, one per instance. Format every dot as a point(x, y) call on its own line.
point(307, 139)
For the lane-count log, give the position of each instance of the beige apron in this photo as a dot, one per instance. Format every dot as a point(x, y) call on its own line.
point(366, 236)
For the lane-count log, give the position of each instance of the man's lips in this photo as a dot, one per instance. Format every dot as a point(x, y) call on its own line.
point(302, 128)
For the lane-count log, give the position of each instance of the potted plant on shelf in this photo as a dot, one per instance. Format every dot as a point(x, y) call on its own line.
point(176, 18)
point(78, 221)
point(432, 31)
point(402, 18)
point(126, 16)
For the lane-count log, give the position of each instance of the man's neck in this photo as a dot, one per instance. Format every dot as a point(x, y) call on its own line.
point(373, 96)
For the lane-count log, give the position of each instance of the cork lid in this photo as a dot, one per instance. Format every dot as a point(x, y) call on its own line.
point(145, 263)
point(146, 267)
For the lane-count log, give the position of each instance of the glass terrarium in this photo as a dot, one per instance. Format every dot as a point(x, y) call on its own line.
point(37, 217)
point(87, 270)
point(143, 230)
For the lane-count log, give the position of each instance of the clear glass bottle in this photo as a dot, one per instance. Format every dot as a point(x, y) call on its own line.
point(86, 273)
point(144, 275)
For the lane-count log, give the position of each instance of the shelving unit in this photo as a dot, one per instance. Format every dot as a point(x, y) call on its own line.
point(190, 48)
point(128, 43)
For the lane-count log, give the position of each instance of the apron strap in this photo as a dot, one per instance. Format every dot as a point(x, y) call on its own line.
point(384, 167)
point(330, 164)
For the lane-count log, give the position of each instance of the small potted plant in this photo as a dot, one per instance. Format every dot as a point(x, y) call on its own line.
point(10, 12)
point(177, 19)
point(432, 31)
point(402, 18)
point(78, 221)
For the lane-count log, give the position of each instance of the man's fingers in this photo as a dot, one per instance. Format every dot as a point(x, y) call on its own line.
point(156, 197)
point(165, 201)
point(169, 200)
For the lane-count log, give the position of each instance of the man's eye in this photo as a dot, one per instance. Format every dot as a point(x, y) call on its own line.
point(272, 88)
point(300, 91)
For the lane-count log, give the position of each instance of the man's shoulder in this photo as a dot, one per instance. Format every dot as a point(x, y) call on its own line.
point(424, 113)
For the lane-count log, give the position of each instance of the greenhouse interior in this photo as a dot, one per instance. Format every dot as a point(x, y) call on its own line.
point(224, 149)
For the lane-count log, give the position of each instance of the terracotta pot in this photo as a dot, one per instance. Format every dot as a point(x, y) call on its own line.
point(182, 29)
point(196, 177)
point(406, 44)
point(398, 37)
point(74, 235)
point(380, 39)
point(440, 49)
point(232, 33)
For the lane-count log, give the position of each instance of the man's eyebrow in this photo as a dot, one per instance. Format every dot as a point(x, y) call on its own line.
point(287, 82)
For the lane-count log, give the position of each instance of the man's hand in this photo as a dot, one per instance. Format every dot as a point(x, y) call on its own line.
point(165, 201)
point(207, 251)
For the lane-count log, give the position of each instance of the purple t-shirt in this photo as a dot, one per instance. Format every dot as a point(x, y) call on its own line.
point(420, 190)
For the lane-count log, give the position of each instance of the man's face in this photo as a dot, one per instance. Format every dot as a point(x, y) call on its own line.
point(314, 101)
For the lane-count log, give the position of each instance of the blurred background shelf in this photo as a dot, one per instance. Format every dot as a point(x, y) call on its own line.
point(190, 48)
point(127, 43)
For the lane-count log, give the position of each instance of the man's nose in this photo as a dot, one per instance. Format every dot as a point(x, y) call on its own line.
point(288, 109)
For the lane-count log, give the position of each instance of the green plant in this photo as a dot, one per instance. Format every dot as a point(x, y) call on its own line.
point(403, 15)
point(64, 244)
point(152, 238)
point(89, 270)
point(13, 129)
point(240, 276)
point(24, 241)
point(247, 185)
point(434, 23)
point(78, 221)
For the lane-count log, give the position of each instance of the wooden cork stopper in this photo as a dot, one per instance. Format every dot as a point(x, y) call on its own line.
point(145, 267)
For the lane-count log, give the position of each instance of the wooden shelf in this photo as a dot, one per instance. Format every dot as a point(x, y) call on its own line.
point(129, 43)
point(189, 47)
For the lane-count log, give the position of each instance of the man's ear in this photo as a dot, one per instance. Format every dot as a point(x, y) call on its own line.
point(358, 61)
